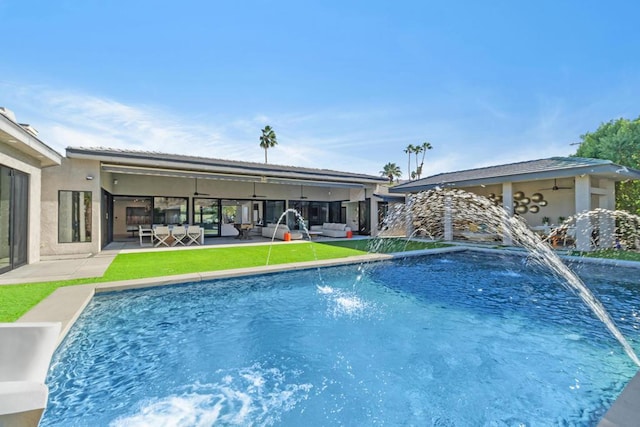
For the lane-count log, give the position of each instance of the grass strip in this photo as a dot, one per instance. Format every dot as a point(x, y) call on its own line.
point(385, 245)
point(16, 300)
point(609, 254)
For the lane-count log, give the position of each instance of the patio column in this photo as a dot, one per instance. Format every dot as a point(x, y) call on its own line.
point(583, 204)
point(448, 219)
point(408, 203)
point(507, 204)
point(607, 223)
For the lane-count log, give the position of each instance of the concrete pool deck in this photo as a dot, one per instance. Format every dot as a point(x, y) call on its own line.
point(66, 304)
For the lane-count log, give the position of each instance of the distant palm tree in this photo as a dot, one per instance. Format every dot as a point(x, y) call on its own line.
point(267, 140)
point(417, 150)
point(391, 170)
point(424, 147)
point(409, 150)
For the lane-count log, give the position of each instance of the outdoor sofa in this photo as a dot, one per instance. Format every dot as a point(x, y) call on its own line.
point(280, 232)
point(332, 229)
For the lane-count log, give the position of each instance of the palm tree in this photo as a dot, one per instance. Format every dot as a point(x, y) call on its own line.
point(424, 147)
point(391, 170)
point(409, 150)
point(267, 140)
point(417, 150)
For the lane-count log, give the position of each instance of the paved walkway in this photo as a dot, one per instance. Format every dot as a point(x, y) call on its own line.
point(67, 268)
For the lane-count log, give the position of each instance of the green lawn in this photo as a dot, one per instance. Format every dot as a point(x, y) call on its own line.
point(18, 299)
point(385, 245)
point(609, 254)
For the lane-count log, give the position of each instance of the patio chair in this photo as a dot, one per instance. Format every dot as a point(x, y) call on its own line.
point(193, 234)
point(145, 232)
point(161, 235)
point(179, 233)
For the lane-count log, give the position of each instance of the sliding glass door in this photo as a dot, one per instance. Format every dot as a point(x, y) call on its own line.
point(206, 214)
point(14, 218)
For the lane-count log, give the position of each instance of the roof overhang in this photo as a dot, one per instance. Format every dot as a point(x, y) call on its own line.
point(183, 166)
point(391, 198)
point(184, 173)
point(15, 136)
point(609, 171)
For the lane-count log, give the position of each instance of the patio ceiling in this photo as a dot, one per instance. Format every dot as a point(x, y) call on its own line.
point(176, 173)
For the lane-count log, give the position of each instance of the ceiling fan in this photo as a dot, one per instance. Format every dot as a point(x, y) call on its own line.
point(196, 193)
point(302, 196)
point(556, 187)
point(254, 195)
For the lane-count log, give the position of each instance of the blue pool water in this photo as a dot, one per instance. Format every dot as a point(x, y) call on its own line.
point(455, 340)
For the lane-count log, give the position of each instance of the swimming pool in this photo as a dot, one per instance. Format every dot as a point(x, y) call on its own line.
point(458, 339)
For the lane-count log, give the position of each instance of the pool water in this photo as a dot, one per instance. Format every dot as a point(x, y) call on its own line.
point(454, 340)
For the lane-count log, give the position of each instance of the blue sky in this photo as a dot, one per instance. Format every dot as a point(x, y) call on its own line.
point(346, 85)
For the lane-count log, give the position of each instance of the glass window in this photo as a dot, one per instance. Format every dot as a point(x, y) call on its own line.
point(74, 216)
point(170, 210)
point(5, 221)
point(206, 215)
point(383, 211)
point(273, 210)
point(337, 212)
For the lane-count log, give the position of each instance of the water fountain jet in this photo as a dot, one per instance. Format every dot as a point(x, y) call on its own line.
point(300, 220)
point(441, 210)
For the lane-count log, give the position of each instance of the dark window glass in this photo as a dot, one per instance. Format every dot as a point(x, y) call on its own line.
point(74, 216)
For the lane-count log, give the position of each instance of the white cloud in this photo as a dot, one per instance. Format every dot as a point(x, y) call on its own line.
point(482, 132)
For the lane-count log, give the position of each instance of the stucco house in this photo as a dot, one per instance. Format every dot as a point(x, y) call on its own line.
point(553, 188)
point(52, 205)
point(99, 195)
point(23, 158)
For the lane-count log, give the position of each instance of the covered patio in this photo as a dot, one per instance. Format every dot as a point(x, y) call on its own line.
point(543, 192)
point(118, 192)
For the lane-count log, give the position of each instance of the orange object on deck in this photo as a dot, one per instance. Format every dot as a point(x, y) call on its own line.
point(287, 237)
point(349, 234)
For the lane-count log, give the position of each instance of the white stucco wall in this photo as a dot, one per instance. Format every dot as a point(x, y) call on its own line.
point(71, 175)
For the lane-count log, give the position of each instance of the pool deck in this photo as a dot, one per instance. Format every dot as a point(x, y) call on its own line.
point(65, 304)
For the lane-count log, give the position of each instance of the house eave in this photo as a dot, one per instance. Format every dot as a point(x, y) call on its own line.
point(610, 171)
point(14, 135)
point(145, 163)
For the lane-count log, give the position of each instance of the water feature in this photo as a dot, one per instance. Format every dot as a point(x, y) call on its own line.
point(601, 229)
point(455, 339)
point(300, 221)
point(430, 210)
